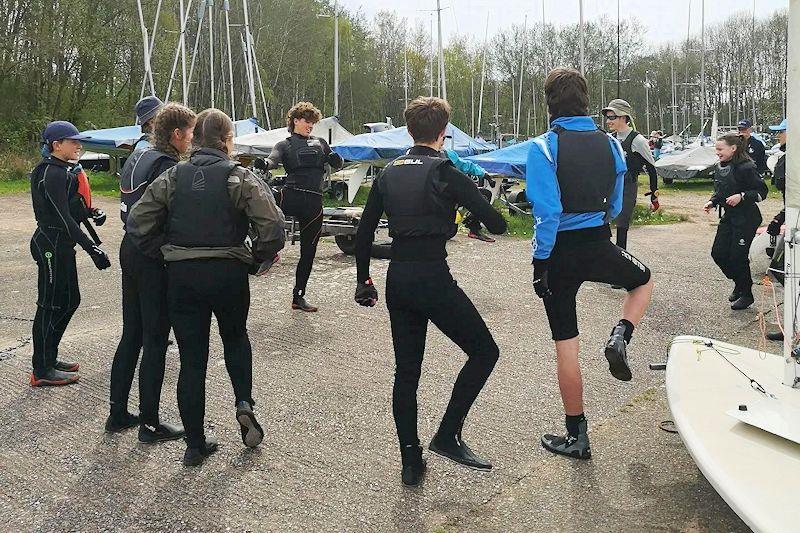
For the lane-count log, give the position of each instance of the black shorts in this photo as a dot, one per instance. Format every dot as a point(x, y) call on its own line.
point(586, 255)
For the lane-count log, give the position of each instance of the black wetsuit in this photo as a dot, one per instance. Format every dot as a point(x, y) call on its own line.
point(637, 157)
point(738, 224)
point(304, 159)
point(57, 207)
point(420, 288)
point(145, 321)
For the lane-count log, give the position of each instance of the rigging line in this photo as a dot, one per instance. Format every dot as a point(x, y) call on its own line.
point(753, 382)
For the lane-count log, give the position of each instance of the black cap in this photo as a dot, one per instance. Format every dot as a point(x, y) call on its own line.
point(61, 129)
point(744, 124)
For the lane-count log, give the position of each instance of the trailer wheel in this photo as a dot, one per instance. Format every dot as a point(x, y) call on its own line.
point(668, 181)
point(346, 243)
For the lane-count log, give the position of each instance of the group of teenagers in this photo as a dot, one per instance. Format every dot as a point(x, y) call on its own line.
point(197, 224)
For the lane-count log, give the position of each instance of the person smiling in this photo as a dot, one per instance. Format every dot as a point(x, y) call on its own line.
point(304, 158)
point(737, 189)
point(57, 207)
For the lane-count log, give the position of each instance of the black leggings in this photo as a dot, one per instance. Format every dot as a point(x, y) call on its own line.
point(145, 327)
point(623, 220)
point(731, 248)
point(306, 207)
point(418, 292)
point(59, 296)
point(196, 289)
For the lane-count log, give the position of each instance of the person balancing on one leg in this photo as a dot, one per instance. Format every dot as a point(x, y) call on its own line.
point(575, 175)
point(420, 192)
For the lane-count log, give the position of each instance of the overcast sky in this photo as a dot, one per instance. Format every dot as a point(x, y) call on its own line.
point(665, 20)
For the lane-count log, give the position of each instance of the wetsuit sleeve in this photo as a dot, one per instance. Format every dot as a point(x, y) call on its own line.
point(753, 187)
point(275, 157)
point(148, 216)
point(545, 197)
point(467, 167)
point(332, 158)
point(461, 188)
point(621, 168)
point(641, 146)
point(759, 155)
point(366, 230)
point(55, 189)
point(256, 200)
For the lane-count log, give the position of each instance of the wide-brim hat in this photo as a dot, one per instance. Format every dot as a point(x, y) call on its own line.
point(620, 107)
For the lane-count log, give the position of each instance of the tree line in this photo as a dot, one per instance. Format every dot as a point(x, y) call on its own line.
point(83, 60)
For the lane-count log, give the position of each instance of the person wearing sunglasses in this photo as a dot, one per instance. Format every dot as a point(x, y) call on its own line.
point(618, 115)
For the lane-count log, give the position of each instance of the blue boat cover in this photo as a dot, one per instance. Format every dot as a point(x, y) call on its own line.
point(509, 161)
point(118, 141)
point(390, 144)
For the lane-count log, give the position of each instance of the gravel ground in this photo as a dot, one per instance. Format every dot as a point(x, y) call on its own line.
point(329, 461)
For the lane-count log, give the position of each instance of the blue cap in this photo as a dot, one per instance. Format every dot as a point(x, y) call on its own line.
point(780, 127)
point(744, 124)
point(146, 108)
point(60, 130)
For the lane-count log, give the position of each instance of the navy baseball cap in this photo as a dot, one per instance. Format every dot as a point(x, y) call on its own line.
point(781, 126)
point(743, 124)
point(146, 108)
point(60, 130)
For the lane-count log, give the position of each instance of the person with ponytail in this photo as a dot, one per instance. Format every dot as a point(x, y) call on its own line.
point(145, 324)
point(200, 212)
point(737, 189)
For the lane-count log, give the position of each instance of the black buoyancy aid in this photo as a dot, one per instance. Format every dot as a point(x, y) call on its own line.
point(634, 160)
point(304, 163)
point(412, 201)
point(201, 213)
point(586, 170)
point(136, 175)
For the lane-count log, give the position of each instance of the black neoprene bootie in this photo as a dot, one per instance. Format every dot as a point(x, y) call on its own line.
point(575, 446)
point(454, 448)
point(414, 465)
point(617, 354)
point(196, 456)
point(299, 302)
point(743, 302)
point(775, 336)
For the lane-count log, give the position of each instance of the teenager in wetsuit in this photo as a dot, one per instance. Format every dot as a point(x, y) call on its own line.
point(304, 158)
point(57, 207)
point(420, 192)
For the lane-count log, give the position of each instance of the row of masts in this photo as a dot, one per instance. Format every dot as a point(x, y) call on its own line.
point(188, 64)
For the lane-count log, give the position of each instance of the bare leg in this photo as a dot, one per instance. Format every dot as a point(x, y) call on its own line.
point(569, 376)
point(635, 304)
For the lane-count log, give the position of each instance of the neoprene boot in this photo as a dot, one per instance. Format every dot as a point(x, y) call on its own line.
point(414, 465)
point(775, 336)
point(575, 446)
point(299, 302)
point(252, 434)
point(743, 302)
point(118, 423)
point(66, 366)
point(617, 354)
point(196, 456)
point(454, 448)
point(162, 432)
point(53, 378)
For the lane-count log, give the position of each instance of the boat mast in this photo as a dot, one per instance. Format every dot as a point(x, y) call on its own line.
point(521, 71)
point(483, 71)
point(226, 8)
point(146, 48)
point(702, 68)
point(249, 59)
point(442, 79)
point(336, 60)
point(211, 47)
point(792, 235)
point(580, 9)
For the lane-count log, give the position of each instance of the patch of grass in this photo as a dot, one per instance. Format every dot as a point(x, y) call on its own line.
point(103, 184)
point(359, 200)
point(702, 186)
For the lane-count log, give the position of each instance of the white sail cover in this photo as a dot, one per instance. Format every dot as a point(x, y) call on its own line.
point(260, 144)
point(694, 162)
